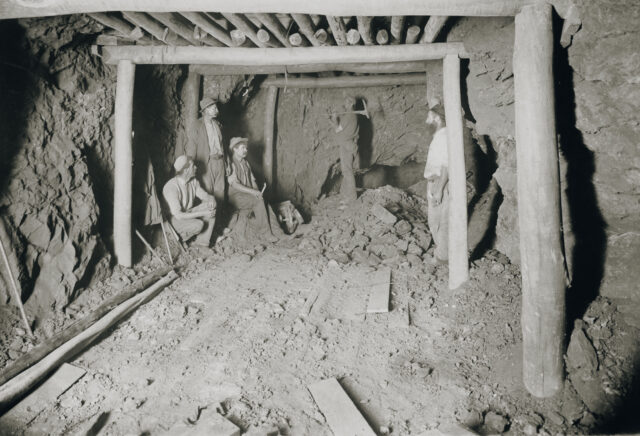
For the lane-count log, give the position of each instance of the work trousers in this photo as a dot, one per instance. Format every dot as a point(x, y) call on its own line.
point(188, 228)
point(266, 222)
point(348, 150)
point(214, 178)
point(438, 220)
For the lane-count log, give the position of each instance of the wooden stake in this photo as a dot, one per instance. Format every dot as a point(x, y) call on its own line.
point(542, 257)
point(364, 28)
point(353, 37)
point(275, 27)
point(123, 163)
point(149, 247)
point(166, 242)
point(432, 28)
point(177, 237)
point(397, 28)
point(458, 256)
point(382, 37)
point(338, 29)
point(24, 381)
point(269, 126)
point(16, 292)
point(48, 345)
point(412, 34)
point(209, 26)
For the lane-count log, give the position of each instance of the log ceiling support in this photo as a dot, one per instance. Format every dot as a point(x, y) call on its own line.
point(412, 34)
point(471, 8)
point(370, 68)
point(245, 26)
point(275, 27)
point(176, 23)
point(269, 137)
point(364, 27)
point(397, 29)
point(307, 28)
point(539, 216)
point(121, 26)
point(280, 56)
point(123, 164)
point(338, 29)
point(432, 28)
point(458, 257)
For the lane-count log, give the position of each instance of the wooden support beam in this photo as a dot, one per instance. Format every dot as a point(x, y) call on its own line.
point(542, 257)
point(458, 256)
point(382, 37)
point(243, 24)
point(239, 39)
point(269, 128)
point(280, 56)
point(323, 37)
point(345, 81)
point(338, 28)
point(379, 67)
point(297, 40)
point(207, 24)
point(412, 34)
point(123, 163)
point(364, 27)
point(265, 38)
point(154, 28)
point(121, 26)
point(353, 37)
point(432, 28)
point(306, 28)
point(275, 27)
point(176, 23)
point(191, 98)
point(397, 29)
point(475, 8)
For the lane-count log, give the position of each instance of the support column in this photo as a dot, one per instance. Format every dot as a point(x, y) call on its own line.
point(543, 300)
point(123, 163)
point(191, 95)
point(458, 256)
point(269, 127)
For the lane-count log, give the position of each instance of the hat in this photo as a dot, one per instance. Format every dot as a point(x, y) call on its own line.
point(237, 141)
point(206, 102)
point(436, 106)
point(181, 162)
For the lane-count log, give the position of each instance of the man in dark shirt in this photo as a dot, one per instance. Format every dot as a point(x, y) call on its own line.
point(347, 133)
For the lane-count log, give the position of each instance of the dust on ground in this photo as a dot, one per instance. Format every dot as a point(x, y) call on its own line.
point(246, 329)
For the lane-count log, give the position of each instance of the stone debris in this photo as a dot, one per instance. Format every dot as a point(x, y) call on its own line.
point(383, 214)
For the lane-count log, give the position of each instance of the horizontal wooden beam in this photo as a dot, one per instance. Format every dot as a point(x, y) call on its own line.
point(346, 81)
point(21, 8)
point(280, 56)
point(370, 68)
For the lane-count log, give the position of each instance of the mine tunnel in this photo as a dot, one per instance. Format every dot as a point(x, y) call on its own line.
point(341, 218)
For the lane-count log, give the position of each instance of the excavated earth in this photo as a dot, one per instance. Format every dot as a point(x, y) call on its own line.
point(248, 327)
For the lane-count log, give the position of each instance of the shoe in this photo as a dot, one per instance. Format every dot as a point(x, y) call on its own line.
point(200, 244)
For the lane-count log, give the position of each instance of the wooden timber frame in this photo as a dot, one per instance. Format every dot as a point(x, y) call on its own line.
point(543, 288)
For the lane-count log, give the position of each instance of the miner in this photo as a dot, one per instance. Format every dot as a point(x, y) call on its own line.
point(205, 147)
point(244, 193)
point(180, 194)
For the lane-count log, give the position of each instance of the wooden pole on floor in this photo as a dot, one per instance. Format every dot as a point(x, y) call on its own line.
point(269, 127)
point(458, 256)
point(543, 287)
point(123, 163)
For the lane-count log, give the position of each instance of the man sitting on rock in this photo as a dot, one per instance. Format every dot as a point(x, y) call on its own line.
point(244, 193)
point(180, 194)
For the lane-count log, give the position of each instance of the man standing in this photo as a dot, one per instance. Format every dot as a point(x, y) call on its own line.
point(347, 134)
point(205, 147)
point(180, 194)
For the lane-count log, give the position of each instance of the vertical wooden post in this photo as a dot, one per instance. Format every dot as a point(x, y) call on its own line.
point(269, 127)
point(123, 163)
point(191, 96)
point(543, 302)
point(458, 256)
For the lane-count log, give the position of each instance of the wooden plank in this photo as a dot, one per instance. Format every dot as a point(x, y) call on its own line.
point(485, 8)
point(381, 67)
point(281, 56)
point(341, 414)
point(26, 410)
point(345, 81)
point(379, 296)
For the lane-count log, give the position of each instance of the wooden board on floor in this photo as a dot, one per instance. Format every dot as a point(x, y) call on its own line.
point(341, 414)
point(379, 296)
point(26, 410)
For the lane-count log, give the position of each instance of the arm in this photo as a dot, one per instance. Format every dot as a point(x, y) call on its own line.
point(438, 184)
point(235, 183)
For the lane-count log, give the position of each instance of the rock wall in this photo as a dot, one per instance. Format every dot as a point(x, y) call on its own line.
point(56, 128)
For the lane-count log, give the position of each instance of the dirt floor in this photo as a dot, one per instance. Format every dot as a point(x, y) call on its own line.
point(245, 330)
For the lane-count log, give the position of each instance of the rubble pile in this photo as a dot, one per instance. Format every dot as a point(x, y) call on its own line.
point(384, 226)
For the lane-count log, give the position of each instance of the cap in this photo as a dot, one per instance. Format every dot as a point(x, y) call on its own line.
point(237, 141)
point(206, 102)
point(181, 162)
